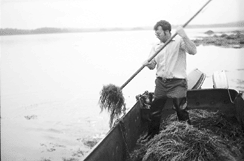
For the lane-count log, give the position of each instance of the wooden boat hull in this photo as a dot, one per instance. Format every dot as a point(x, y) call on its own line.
point(121, 139)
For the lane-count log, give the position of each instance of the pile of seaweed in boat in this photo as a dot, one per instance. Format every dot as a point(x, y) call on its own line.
point(212, 136)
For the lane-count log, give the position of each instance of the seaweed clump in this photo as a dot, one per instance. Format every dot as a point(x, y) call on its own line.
point(212, 136)
point(112, 100)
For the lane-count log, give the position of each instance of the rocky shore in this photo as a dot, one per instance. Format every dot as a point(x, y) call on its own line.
point(234, 39)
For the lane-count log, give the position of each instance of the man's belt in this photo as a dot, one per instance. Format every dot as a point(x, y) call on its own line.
point(169, 79)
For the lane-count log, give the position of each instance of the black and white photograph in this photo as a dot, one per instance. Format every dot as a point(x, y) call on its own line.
point(122, 80)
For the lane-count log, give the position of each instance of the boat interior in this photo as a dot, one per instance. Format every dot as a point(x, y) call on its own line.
point(122, 137)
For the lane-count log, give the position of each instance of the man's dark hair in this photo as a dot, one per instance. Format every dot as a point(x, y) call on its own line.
point(164, 24)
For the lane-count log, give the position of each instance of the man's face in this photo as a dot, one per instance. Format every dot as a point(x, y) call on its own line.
point(161, 34)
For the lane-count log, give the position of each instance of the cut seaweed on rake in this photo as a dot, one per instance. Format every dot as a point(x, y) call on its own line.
point(113, 101)
point(213, 136)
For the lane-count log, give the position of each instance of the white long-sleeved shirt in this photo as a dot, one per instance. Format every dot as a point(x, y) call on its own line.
point(171, 61)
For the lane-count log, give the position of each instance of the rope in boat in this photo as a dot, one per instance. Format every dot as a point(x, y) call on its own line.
point(228, 89)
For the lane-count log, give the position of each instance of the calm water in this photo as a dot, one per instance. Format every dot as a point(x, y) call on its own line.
point(50, 86)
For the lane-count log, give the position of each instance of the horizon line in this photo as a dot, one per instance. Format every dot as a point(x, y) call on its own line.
point(241, 23)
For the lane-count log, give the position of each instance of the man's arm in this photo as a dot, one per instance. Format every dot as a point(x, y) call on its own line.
point(151, 65)
point(187, 44)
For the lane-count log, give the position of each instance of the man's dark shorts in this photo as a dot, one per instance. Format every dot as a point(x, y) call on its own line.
point(170, 88)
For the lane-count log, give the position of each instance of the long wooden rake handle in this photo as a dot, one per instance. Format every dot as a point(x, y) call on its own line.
point(166, 43)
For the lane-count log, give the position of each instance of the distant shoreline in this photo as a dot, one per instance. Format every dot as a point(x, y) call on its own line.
point(52, 30)
point(235, 39)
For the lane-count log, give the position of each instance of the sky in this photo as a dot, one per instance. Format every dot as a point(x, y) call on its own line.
point(32, 14)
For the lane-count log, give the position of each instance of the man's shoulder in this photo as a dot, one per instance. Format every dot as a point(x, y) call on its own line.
point(178, 39)
point(156, 45)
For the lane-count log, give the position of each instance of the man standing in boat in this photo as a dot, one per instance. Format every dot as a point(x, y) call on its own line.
point(171, 74)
